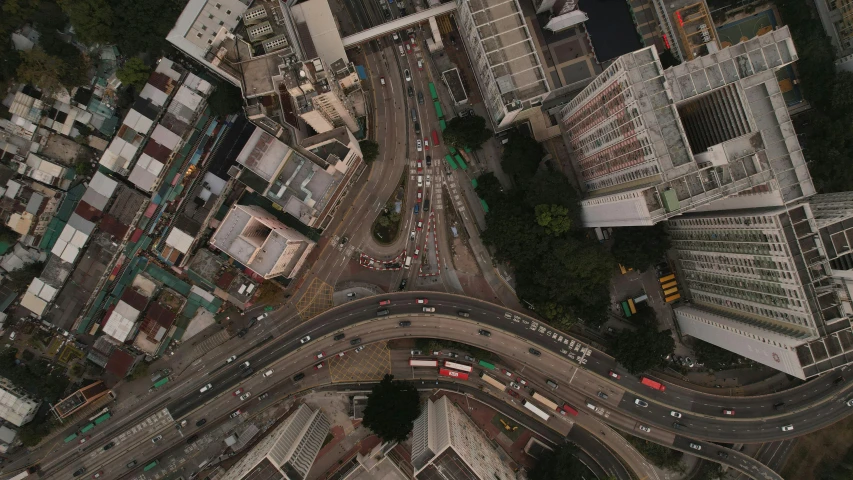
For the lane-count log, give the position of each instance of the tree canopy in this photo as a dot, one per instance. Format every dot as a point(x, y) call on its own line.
point(369, 149)
point(644, 348)
point(42, 70)
point(521, 156)
point(392, 407)
point(133, 72)
point(562, 462)
point(659, 455)
point(143, 26)
point(226, 99)
point(92, 19)
point(714, 357)
point(640, 247)
point(21, 278)
point(467, 131)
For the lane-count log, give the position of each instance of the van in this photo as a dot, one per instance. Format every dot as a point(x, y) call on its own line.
point(267, 373)
point(408, 262)
point(13, 335)
point(551, 383)
point(414, 115)
point(402, 52)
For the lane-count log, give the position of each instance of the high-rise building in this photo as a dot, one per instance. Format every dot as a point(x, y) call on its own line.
point(714, 133)
point(261, 242)
point(447, 444)
point(16, 406)
point(288, 452)
point(317, 96)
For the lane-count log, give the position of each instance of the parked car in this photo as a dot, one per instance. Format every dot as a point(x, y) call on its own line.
point(235, 413)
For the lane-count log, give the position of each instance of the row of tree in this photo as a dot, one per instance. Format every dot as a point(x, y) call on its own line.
point(644, 348)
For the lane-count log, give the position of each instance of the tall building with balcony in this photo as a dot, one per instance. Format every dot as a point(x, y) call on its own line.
point(261, 242)
point(714, 133)
point(447, 444)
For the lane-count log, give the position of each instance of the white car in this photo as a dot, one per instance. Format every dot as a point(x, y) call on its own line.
point(359, 349)
point(641, 403)
point(245, 365)
point(205, 388)
point(245, 395)
point(695, 446)
point(263, 316)
point(429, 309)
point(419, 145)
point(675, 414)
point(515, 385)
point(787, 428)
point(231, 359)
point(645, 429)
point(267, 373)
point(850, 402)
point(408, 75)
point(305, 339)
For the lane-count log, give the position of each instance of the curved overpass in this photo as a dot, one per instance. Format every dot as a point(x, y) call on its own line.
point(755, 419)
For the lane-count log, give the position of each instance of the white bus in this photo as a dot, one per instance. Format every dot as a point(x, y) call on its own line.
point(458, 366)
point(544, 401)
point(492, 381)
point(536, 410)
point(422, 363)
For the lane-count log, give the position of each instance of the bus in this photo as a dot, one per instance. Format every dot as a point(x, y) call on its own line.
point(442, 125)
point(435, 138)
point(461, 162)
point(438, 112)
point(536, 410)
point(568, 409)
point(667, 278)
point(103, 418)
point(452, 373)
point(669, 285)
point(98, 414)
point(87, 428)
point(672, 298)
point(161, 382)
point(151, 465)
point(484, 205)
point(450, 162)
point(631, 306)
point(432, 92)
point(652, 383)
point(545, 401)
point(492, 381)
point(626, 309)
point(458, 366)
point(422, 363)
point(70, 437)
point(486, 365)
point(671, 291)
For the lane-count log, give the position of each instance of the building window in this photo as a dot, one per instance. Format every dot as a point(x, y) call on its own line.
point(228, 12)
point(198, 35)
point(204, 27)
point(218, 5)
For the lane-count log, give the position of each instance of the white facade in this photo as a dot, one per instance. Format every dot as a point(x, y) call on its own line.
point(258, 240)
point(290, 449)
point(16, 406)
point(443, 430)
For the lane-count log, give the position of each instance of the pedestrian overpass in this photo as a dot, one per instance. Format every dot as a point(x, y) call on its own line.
point(398, 24)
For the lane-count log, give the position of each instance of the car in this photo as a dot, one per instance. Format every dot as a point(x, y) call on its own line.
point(192, 439)
point(688, 362)
point(305, 339)
point(645, 429)
point(613, 374)
point(341, 354)
point(80, 472)
point(242, 333)
point(238, 392)
point(420, 225)
point(787, 428)
point(521, 381)
point(641, 403)
point(420, 64)
point(779, 406)
point(412, 38)
point(342, 336)
point(512, 393)
point(318, 366)
point(429, 309)
point(319, 355)
point(452, 354)
point(602, 395)
point(235, 413)
point(247, 373)
point(463, 314)
point(245, 396)
point(263, 396)
point(506, 372)
point(405, 323)
point(675, 414)
point(408, 50)
point(201, 422)
point(484, 333)
point(470, 358)
point(407, 73)
point(420, 169)
point(245, 365)
point(262, 316)
point(231, 359)
point(382, 80)
point(695, 446)
point(355, 341)
point(131, 464)
point(416, 352)
point(267, 373)
point(533, 351)
point(395, 37)
point(722, 454)
point(426, 144)
point(420, 194)
point(515, 385)
point(420, 99)
point(838, 381)
point(422, 300)
point(298, 377)
point(728, 411)
point(157, 439)
point(109, 446)
point(419, 145)
point(84, 439)
point(403, 283)
point(677, 425)
point(384, 302)
point(358, 349)
point(850, 402)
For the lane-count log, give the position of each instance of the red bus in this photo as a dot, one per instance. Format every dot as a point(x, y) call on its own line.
point(435, 138)
point(568, 409)
point(651, 383)
point(453, 373)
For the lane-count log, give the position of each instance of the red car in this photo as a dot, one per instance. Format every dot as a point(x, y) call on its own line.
point(98, 474)
point(512, 393)
point(426, 144)
point(238, 392)
point(420, 194)
point(320, 355)
point(506, 372)
point(318, 366)
point(408, 48)
point(85, 439)
point(384, 302)
point(728, 412)
point(614, 375)
point(422, 300)
point(522, 381)
point(420, 167)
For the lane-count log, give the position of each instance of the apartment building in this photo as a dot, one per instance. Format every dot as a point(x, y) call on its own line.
point(16, 406)
point(713, 133)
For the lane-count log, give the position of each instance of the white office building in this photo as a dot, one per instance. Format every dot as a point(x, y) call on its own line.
point(16, 406)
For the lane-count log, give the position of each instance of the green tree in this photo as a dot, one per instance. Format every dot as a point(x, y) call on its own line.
point(21, 278)
point(467, 131)
point(142, 26)
point(714, 357)
point(92, 19)
point(659, 455)
point(225, 100)
point(7, 235)
point(640, 247)
point(392, 408)
point(554, 218)
point(40, 69)
point(133, 72)
point(521, 156)
point(560, 463)
point(644, 349)
point(842, 90)
point(369, 150)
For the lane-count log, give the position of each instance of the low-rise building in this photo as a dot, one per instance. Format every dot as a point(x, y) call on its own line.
point(16, 406)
